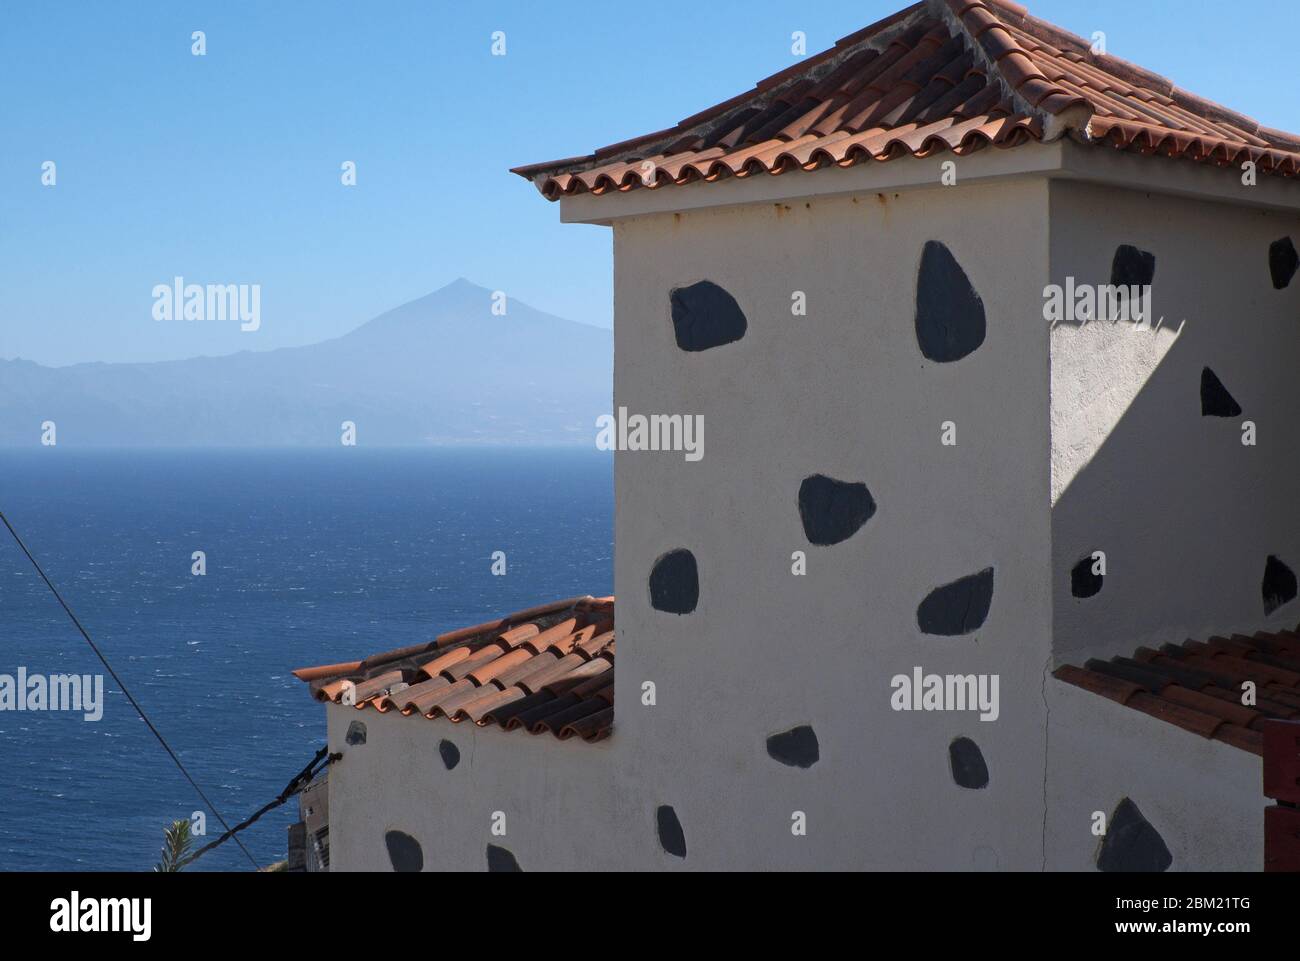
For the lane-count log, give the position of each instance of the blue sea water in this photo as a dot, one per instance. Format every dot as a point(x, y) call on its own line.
point(312, 557)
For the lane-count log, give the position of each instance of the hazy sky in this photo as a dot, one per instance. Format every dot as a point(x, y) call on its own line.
point(225, 168)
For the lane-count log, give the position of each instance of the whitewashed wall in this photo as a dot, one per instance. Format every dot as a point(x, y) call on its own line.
point(1186, 514)
point(846, 392)
point(1066, 441)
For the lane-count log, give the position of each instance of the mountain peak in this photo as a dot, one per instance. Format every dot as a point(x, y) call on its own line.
point(461, 283)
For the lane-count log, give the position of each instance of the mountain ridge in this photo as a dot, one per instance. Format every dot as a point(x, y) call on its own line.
point(440, 369)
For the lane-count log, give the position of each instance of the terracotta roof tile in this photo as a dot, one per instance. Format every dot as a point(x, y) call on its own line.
point(594, 645)
point(1198, 685)
point(379, 684)
point(328, 691)
point(500, 665)
point(504, 714)
point(549, 669)
point(449, 706)
point(558, 722)
point(518, 672)
point(444, 661)
point(418, 697)
point(555, 634)
point(1185, 717)
point(328, 670)
point(587, 726)
point(941, 75)
point(1111, 687)
point(1288, 696)
point(490, 699)
point(548, 674)
point(431, 705)
point(1243, 738)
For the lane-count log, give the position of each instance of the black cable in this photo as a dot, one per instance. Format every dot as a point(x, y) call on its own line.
point(134, 703)
point(305, 776)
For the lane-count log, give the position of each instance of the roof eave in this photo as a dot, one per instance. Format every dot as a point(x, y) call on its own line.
point(990, 163)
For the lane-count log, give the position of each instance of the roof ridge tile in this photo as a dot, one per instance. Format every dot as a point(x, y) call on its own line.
point(1044, 77)
point(985, 23)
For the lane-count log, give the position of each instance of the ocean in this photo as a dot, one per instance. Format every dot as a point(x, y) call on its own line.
point(312, 557)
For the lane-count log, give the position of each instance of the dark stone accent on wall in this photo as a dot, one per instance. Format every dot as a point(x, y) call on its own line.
point(1132, 267)
point(671, 837)
point(967, 763)
point(833, 511)
point(450, 753)
point(356, 733)
point(796, 747)
point(404, 851)
point(1132, 844)
point(499, 859)
point(1083, 582)
point(675, 583)
point(1279, 585)
point(949, 313)
point(957, 608)
point(1282, 262)
point(1215, 399)
point(706, 316)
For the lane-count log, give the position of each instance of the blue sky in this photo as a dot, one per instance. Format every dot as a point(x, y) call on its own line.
point(225, 168)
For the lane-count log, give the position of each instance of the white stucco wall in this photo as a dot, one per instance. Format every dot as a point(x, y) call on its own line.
point(1186, 514)
point(843, 391)
point(1203, 797)
point(846, 392)
point(559, 798)
point(1068, 441)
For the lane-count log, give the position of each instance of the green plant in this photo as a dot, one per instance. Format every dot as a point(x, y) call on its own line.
point(177, 842)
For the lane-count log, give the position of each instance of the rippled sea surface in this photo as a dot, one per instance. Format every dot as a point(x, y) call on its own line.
point(312, 557)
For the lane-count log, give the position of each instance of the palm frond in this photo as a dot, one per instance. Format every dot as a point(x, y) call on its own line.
point(177, 842)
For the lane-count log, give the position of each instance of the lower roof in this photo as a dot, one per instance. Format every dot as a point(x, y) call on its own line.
point(550, 670)
point(545, 670)
point(1199, 686)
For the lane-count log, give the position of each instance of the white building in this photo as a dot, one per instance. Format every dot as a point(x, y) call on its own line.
point(925, 455)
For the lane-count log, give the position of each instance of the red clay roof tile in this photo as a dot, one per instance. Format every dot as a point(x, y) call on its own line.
point(1288, 696)
point(488, 700)
point(500, 665)
point(548, 669)
point(418, 697)
point(1198, 685)
point(327, 670)
point(593, 727)
point(1241, 737)
point(1111, 687)
point(480, 658)
point(917, 83)
point(444, 661)
point(557, 722)
point(1185, 717)
point(551, 673)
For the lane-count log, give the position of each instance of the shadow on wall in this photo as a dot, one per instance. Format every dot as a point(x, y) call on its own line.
point(1166, 532)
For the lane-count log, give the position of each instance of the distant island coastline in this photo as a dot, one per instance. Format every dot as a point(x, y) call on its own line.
point(440, 370)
